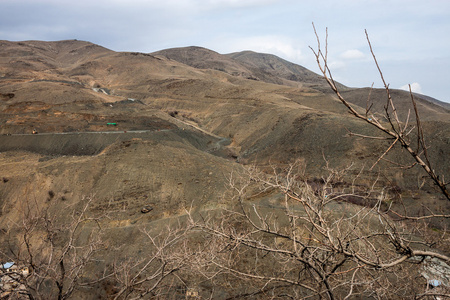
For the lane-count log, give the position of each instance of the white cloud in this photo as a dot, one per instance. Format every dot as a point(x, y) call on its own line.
point(284, 47)
point(352, 54)
point(191, 5)
point(336, 65)
point(238, 3)
point(415, 88)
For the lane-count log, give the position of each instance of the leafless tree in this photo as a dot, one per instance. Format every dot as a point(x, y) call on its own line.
point(53, 253)
point(293, 238)
point(311, 243)
point(393, 129)
point(58, 256)
point(289, 237)
point(159, 271)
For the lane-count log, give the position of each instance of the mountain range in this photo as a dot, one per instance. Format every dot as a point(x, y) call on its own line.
point(166, 130)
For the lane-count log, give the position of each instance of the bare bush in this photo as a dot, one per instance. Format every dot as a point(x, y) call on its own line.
point(64, 256)
point(293, 238)
point(53, 253)
point(296, 241)
point(290, 237)
point(159, 272)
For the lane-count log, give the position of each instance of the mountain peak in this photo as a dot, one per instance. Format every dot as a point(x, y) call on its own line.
point(247, 64)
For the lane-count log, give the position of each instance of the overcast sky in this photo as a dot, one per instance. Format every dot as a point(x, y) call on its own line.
point(409, 37)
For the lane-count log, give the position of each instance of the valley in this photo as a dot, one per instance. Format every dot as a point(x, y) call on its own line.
point(194, 137)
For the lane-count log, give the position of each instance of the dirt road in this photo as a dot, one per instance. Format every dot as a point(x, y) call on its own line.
point(92, 143)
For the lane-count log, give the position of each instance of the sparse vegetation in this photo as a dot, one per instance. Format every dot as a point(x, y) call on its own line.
point(173, 113)
point(56, 265)
point(394, 129)
point(265, 193)
point(51, 194)
point(308, 244)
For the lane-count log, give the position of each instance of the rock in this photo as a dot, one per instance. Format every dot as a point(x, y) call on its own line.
point(146, 209)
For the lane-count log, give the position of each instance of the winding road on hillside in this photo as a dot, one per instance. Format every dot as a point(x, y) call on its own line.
point(93, 142)
point(86, 132)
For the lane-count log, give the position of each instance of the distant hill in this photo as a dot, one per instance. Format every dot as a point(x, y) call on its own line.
point(203, 58)
point(56, 54)
point(247, 64)
point(270, 68)
point(429, 108)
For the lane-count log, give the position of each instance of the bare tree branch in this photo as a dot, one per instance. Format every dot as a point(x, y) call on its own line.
point(396, 130)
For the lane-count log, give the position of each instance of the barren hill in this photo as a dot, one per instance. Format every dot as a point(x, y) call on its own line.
point(273, 69)
point(286, 114)
point(247, 64)
point(167, 129)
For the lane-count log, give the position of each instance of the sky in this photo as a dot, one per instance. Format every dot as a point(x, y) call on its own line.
point(409, 37)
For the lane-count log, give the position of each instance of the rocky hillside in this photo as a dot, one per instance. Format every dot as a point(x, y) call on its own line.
point(263, 109)
point(247, 64)
point(165, 130)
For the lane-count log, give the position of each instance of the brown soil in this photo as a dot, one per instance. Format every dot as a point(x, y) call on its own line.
point(180, 131)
